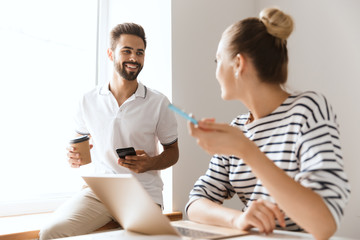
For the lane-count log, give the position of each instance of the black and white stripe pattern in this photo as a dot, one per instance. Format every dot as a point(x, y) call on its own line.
point(302, 138)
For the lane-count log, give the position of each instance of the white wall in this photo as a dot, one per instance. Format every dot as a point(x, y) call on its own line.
point(196, 29)
point(324, 53)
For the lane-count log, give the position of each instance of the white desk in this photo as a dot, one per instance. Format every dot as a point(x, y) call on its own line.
point(124, 235)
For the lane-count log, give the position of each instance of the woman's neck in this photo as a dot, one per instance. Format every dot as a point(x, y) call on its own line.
point(264, 99)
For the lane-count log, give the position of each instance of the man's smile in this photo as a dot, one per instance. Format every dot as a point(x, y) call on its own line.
point(131, 66)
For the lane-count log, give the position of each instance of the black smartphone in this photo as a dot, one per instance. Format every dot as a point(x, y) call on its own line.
point(122, 152)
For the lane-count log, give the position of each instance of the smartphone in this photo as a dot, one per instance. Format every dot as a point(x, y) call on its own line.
point(123, 152)
point(183, 114)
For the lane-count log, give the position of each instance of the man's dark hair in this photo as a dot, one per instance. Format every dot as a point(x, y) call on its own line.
point(126, 28)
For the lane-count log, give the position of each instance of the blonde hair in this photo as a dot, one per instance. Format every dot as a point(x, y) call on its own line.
point(277, 23)
point(264, 41)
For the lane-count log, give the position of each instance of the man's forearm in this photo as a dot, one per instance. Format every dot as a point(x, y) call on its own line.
point(167, 158)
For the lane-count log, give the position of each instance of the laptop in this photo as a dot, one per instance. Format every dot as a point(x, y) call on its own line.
point(131, 206)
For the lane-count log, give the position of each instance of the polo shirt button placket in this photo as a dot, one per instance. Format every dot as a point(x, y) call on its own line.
point(119, 113)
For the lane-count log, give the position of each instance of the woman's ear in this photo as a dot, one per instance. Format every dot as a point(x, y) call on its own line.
point(110, 54)
point(242, 61)
point(239, 64)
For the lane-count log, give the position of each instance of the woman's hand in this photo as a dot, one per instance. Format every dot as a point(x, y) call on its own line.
point(262, 215)
point(218, 138)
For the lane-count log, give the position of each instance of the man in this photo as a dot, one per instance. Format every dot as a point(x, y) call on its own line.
point(123, 113)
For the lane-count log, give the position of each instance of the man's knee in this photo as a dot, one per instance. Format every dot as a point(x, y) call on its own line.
point(58, 230)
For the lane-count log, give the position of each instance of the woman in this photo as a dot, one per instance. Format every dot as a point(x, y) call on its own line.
point(283, 158)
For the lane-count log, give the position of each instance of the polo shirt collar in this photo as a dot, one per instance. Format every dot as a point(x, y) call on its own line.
point(140, 91)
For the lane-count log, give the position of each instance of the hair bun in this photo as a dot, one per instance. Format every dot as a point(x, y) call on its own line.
point(277, 23)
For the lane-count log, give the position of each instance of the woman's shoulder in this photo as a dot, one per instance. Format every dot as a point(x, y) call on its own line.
point(240, 120)
point(308, 96)
point(314, 103)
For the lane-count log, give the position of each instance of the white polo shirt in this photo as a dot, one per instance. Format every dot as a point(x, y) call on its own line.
point(140, 122)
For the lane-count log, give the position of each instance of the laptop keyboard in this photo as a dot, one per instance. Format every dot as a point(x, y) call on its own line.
point(186, 232)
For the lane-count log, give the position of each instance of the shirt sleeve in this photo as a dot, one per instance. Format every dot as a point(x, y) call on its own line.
point(214, 185)
point(166, 128)
point(321, 162)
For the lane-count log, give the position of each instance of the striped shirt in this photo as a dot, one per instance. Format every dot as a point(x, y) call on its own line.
point(302, 138)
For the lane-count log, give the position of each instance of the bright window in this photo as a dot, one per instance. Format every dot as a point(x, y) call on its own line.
point(50, 54)
point(48, 58)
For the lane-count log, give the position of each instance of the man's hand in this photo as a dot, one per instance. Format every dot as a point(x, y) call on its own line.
point(139, 163)
point(74, 157)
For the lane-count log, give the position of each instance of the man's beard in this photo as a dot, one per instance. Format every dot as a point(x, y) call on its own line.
point(131, 76)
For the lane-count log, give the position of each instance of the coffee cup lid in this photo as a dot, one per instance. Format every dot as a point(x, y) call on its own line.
point(80, 139)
